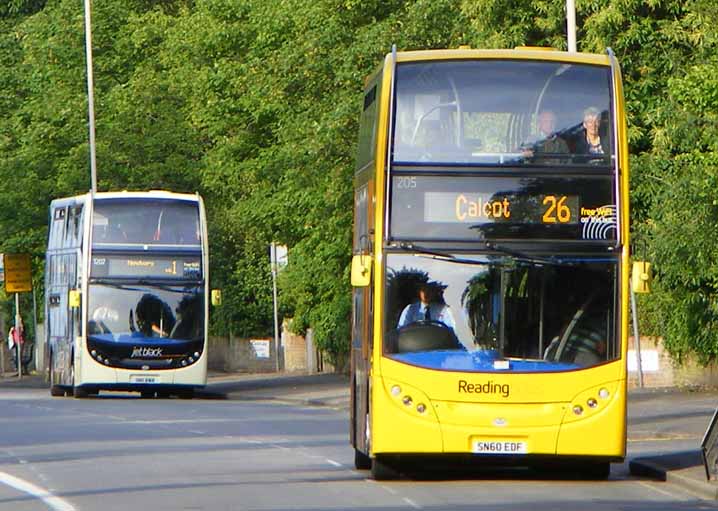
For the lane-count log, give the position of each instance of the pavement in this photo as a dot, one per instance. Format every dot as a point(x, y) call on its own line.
point(665, 425)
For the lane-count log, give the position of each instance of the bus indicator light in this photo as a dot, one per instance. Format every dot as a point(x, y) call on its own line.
point(592, 403)
point(421, 408)
point(578, 409)
point(407, 400)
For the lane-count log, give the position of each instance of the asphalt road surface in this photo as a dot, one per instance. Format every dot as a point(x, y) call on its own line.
point(119, 452)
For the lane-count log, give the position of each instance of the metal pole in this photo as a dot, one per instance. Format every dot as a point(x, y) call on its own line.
point(2, 358)
point(34, 329)
point(19, 337)
point(4, 340)
point(571, 24)
point(90, 94)
point(636, 339)
point(273, 249)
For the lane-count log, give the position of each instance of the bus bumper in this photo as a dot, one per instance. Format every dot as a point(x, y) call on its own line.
point(412, 423)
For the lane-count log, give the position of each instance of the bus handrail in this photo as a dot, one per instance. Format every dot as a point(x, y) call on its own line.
point(391, 133)
point(617, 185)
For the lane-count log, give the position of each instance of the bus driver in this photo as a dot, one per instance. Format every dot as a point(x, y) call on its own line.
point(429, 307)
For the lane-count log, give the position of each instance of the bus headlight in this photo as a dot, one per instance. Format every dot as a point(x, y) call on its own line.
point(395, 390)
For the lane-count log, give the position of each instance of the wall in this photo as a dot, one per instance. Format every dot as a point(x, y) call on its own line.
point(297, 354)
point(659, 370)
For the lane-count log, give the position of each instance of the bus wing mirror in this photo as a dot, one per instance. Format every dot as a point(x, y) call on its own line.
point(361, 270)
point(641, 277)
point(216, 297)
point(74, 298)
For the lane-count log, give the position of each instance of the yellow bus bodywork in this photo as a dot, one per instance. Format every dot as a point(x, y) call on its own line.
point(540, 408)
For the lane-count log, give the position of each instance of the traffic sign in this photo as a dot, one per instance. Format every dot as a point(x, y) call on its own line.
point(18, 275)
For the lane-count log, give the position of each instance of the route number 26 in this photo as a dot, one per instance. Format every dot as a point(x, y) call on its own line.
point(557, 210)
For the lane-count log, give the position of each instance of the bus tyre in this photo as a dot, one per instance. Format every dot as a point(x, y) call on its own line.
point(79, 392)
point(55, 390)
point(361, 460)
point(381, 471)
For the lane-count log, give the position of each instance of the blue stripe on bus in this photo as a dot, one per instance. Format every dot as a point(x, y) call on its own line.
point(483, 361)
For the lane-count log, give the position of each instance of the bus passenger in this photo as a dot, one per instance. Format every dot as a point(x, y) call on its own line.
point(548, 142)
point(16, 340)
point(589, 140)
point(429, 307)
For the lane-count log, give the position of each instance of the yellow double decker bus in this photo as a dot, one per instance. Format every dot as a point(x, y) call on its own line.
point(490, 270)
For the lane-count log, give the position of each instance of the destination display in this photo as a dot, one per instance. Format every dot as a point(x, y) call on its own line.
point(146, 266)
point(483, 207)
point(464, 207)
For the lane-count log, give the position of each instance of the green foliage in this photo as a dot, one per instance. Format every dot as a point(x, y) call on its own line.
point(255, 105)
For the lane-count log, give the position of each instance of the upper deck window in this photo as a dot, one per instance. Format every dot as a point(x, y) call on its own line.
point(496, 112)
point(146, 222)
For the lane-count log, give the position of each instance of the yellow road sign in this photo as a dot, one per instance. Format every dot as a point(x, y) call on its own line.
point(18, 274)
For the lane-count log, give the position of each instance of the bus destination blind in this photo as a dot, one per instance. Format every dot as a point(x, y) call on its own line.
point(458, 207)
point(146, 266)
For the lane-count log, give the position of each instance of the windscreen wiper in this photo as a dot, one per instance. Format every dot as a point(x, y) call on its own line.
point(435, 254)
point(521, 256)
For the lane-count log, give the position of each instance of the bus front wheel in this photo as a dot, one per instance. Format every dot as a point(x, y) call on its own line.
point(361, 460)
point(55, 389)
point(382, 471)
point(79, 392)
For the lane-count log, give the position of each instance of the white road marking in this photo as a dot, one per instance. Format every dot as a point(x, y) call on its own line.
point(412, 503)
point(46, 496)
point(332, 462)
point(657, 489)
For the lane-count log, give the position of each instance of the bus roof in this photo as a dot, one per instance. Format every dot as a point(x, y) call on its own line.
point(125, 194)
point(522, 53)
point(152, 194)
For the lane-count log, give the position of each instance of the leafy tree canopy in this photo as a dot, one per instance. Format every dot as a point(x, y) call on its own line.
point(255, 104)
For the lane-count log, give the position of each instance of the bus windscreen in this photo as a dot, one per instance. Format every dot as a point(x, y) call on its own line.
point(493, 313)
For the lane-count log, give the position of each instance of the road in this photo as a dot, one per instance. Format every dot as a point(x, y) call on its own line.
point(120, 452)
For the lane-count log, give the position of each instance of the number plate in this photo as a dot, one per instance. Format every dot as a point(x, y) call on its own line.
point(498, 446)
point(144, 378)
